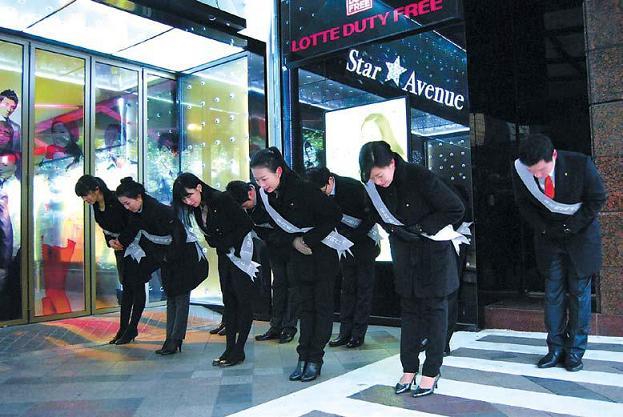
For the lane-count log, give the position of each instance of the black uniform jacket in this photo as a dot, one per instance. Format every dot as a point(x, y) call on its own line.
point(423, 268)
point(157, 219)
point(114, 218)
point(226, 223)
point(304, 205)
point(575, 180)
point(352, 198)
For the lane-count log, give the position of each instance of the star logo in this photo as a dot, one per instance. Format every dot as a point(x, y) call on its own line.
point(394, 71)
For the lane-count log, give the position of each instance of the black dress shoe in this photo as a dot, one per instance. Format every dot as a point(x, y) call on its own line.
point(172, 347)
point(220, 327)
point(298, 371)
point(287, 336)
point(550, 360)
point(312, 371)
point(339, 341)
point(354, 342)
point(232, 361)
point(573, 363)
point(271, 334)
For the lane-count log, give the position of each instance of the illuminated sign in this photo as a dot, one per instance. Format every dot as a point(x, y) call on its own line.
point(316, 27)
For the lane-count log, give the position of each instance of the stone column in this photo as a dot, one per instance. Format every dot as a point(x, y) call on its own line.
point(604, 53)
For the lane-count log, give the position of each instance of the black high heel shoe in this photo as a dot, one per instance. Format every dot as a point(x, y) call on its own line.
point(402, 388)
point(117, 337)
point(164, 346)
point(422, 392)
point(128, 336)
point(172, 347)
point(217, 329)
point(298, 371)
point(312, 371)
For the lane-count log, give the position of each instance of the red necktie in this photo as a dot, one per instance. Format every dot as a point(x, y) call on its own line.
point(549, 187)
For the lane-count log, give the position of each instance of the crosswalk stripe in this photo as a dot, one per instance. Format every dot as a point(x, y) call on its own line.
point(534, 400)
point(357, 408)
point(543, 336)
point(512, 368)
point(599, 355)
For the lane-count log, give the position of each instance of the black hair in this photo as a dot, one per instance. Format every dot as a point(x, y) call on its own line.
point(319, 176)
point(88, 183)
point(270, 158)
point(537, 147)
point(11, 95)
point(239, 190)
point(374, 154)
point(130, 189)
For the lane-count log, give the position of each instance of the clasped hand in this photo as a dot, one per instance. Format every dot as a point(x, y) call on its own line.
point(300, 245)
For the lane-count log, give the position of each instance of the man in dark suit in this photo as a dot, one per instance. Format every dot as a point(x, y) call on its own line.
point(358, 268)
point(560, 194)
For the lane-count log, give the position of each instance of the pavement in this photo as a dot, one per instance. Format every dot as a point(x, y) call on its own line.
point(66, 368)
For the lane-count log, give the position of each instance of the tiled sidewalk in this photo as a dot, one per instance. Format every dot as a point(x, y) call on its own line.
point(65, 368)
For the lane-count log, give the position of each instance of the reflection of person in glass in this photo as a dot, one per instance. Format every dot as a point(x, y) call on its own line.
point(411, 201)
point(6, 136)
point(151, 239)
point(376, 127)
point(64, 144)
point(227, 228)
point(8, 104)
point(310, 155)
point(314, 264)
point(112, 218)
point(9, 255)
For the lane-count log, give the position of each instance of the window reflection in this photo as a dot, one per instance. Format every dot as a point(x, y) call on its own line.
point(10, 184)
point(58, 161)
point(161, 151)
point(116, 156)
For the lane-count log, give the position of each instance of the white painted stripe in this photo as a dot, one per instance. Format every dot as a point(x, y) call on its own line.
point(543, 336)
point(599, 355)
point(513, 368)
point(533, 400)
point(357, 408)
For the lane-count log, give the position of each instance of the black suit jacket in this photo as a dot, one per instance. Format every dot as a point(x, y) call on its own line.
point(576, 180)
point(352, 198)
point(424, 268)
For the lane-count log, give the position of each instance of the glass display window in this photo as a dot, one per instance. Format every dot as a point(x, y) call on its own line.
point(58, 160)
point(11, 100)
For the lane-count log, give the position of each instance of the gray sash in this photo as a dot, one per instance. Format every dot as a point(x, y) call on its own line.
point(555, 207)
point(192, 238)
point(245, 262)
point(136, 252)
point(354, 222)
point(333, 240)
point(447, 233)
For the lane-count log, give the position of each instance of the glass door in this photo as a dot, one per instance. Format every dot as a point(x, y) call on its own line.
point(57, 161)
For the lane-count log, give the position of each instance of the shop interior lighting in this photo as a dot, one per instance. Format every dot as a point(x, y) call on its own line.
point(19, 15)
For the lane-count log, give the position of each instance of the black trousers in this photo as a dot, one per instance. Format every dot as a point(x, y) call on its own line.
point(423, 317)
point(285, 300)
point(356, 295)
point(316, 277)
point(177, 316)
point(567, 306)
point(238, 298)
point(132, 304)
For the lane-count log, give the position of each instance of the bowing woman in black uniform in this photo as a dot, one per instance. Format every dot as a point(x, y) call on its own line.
point(113, 219)
point(410, 201)
point(309, 217)
point(228, 229)
point(153, 238)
